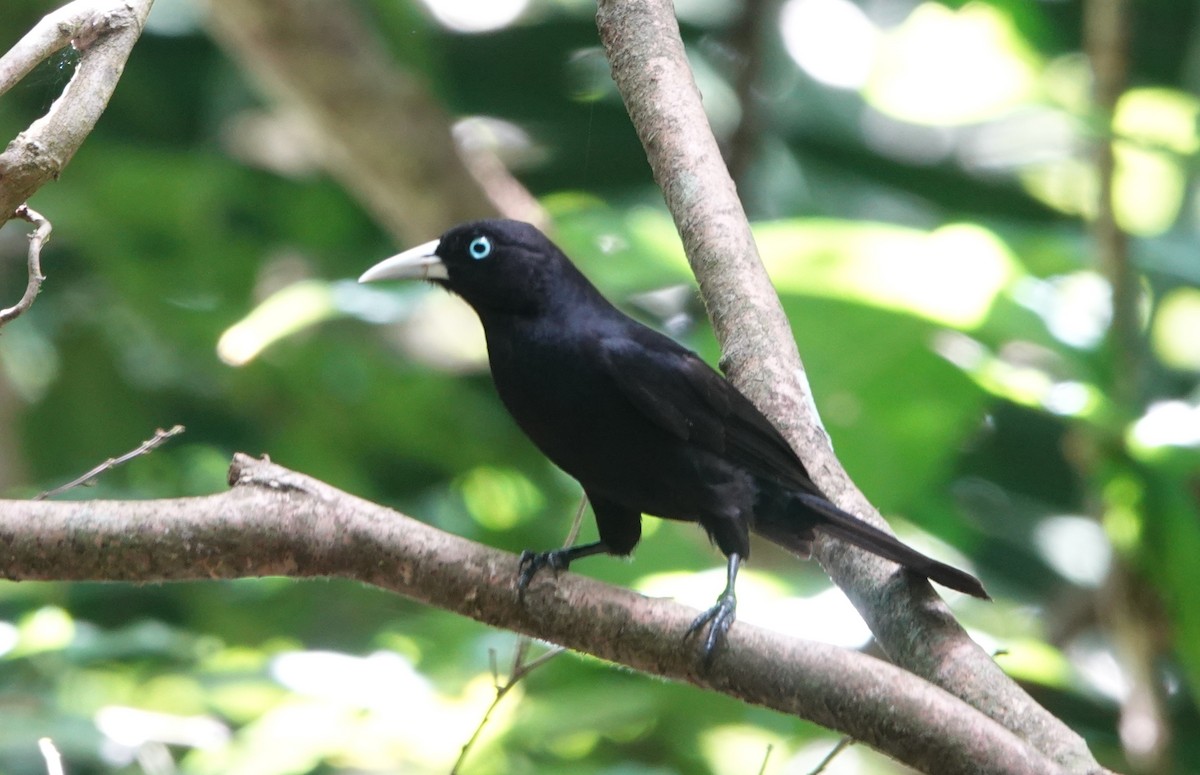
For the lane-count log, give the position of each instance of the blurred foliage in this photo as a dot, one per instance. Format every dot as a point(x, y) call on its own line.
point(920, 184)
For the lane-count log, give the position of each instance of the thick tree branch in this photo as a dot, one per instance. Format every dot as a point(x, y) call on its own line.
point(278, 522)
point(641, 38)
point(376, 128)
point(104, 34)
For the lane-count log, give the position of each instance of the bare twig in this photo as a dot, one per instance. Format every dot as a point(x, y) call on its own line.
point(1126, 603)
point(650, 67)
point(576, 523)
point(520, 668)
point(160, 438)
point(104, 33)
point(39, 238)
point(762, 768)
point(1106, 24)
point(278, 522)
point(842, 745)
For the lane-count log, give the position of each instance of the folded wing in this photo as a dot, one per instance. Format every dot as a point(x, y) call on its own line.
point(679, 392)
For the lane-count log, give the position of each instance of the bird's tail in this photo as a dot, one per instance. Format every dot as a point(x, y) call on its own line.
point(832, 520)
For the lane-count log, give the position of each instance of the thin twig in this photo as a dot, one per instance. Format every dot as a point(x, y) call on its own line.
point(520, 668)
point(762, 769)
point(160, 437)
point(1106, 38)
point(573, 533)
point(842, 745)
point(36, 240)
point(1122, 601)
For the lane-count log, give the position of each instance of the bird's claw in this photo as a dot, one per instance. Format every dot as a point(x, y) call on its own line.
point(532, 562)
point(718, 619)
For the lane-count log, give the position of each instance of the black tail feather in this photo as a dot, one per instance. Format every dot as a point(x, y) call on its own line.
point(835, 522)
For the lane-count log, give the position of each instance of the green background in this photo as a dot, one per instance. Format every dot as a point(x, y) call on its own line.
point(925, 221)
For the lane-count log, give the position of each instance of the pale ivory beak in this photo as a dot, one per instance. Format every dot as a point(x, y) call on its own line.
point(419, 263)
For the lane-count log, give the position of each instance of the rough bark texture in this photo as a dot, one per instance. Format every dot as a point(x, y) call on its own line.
point(278, 522)
point(641, 38)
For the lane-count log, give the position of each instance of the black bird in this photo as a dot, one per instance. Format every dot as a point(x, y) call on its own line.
point(643, 423)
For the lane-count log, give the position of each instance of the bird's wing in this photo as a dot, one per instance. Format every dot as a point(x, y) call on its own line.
point(682, 394)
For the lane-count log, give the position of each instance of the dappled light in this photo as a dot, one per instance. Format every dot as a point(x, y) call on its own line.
point(950, 276)
point(1157, 130)
point(1168, 423)
point(1004, 358)
point(1076, 547)
point(1076, 307)
point(952, 66)
point(476, 15)
point(498, 498)
point(764, 602)
point(831, 40)
point(1174, 329)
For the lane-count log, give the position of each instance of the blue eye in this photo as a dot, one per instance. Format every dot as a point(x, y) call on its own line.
point(480, 248)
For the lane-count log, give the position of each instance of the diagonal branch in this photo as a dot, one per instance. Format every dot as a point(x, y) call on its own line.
point(51, 34)
point(159, 438)
point(375, 127)
point(104, 34)
point(277, 522)
point(650, 67)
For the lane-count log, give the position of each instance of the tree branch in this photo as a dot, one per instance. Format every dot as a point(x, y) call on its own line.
point(104, 36)
point(1122, 603)
point(376, 128)
point(278, 522)
point(34, 285)
point(649, 65)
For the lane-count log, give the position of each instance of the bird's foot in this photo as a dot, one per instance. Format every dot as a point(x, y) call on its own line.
point(557, 560)
point(532, 562)
point(718, 619)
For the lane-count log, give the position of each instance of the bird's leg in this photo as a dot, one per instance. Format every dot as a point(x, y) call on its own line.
point(558, 559)
point(720, 616)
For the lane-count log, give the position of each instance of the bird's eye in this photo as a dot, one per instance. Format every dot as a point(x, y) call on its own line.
point(480, 248)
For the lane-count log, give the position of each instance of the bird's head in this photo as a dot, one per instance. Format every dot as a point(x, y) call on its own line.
point(497, 266)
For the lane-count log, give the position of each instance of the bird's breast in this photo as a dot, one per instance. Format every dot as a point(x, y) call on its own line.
point(555, 393)
point(567, 404)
